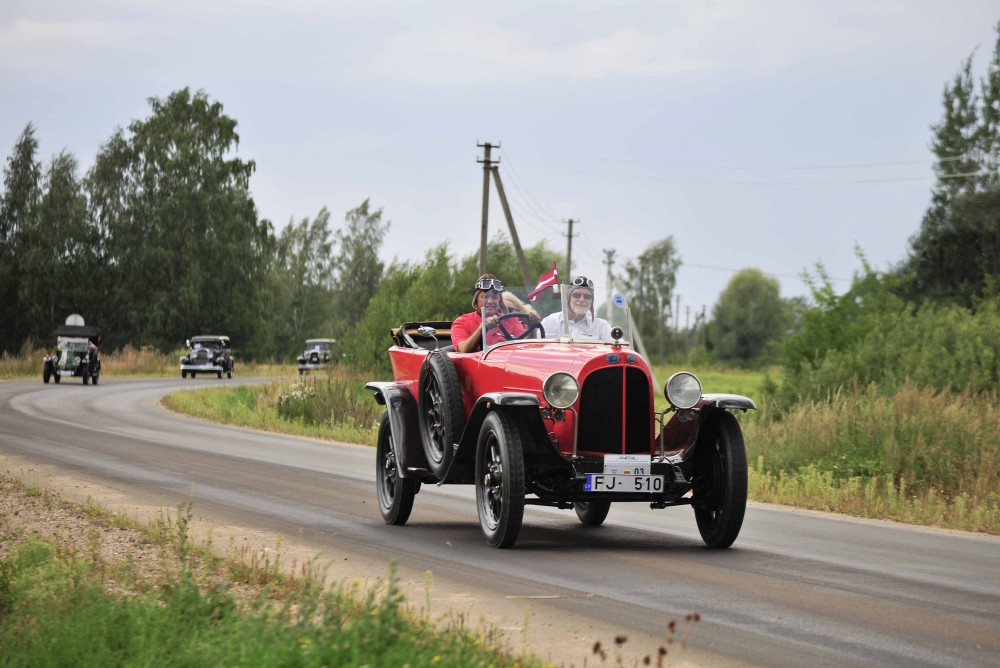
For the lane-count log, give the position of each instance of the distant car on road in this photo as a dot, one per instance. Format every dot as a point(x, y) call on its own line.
point(316, 355)
point(208, 354)
point(76, 352)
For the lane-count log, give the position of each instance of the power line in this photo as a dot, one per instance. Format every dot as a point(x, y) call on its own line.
point(524, 188)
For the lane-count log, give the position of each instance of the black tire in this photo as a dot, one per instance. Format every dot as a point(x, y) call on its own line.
point(720, 487)
point(500, 480)
point(194, 374)
point(46, 374)
point(592, 513)
point(220, 375)
point(56, 377)
point(86, 376)
point(395, 494)
point(184, 374)
point(440, 411)
point(94, 377)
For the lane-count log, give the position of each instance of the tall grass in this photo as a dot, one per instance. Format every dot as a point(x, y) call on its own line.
point(129, 361)
point(917, 455)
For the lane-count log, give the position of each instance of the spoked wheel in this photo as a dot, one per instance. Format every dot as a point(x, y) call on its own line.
point(720, 488)
point(500, 480)
point(592, 513)
point(395, 494)
point(441, 414)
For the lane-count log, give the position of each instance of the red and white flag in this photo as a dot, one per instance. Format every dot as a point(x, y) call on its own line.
point(546, 280)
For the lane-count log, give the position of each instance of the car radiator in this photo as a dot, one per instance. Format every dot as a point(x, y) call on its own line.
point(614, 412)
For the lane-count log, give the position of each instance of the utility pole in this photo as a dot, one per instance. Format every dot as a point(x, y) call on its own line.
point(569, 247)
point(510, 224)
point(487, 164)
point(609, 260)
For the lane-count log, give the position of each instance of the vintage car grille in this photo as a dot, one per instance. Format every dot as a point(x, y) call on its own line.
point(202, 356)
point(314, 358)
point(614, 412)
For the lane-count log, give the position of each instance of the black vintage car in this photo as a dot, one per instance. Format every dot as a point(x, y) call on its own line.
point(76, 352)
point(208, 354)
point(316, 355)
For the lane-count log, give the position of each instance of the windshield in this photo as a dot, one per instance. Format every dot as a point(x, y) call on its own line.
point(207, 345)
point(580, 314)
point(321, 346)
point(71, 350)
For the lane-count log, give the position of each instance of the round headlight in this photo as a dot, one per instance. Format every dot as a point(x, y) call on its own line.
point(683, 390)
point(561, 390)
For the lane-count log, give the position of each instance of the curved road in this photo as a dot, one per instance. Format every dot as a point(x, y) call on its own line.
point(797, 588)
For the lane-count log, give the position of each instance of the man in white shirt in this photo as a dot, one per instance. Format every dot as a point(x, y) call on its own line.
point(582, 323)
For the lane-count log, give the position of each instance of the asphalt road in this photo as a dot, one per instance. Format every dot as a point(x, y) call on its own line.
point(797, 588)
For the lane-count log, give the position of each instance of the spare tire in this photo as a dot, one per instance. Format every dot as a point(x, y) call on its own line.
point(440, 411)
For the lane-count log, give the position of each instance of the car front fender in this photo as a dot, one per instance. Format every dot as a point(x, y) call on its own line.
point(402, 410)
point(729, 401)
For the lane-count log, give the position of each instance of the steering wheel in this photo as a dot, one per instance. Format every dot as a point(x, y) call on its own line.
point(529, 328)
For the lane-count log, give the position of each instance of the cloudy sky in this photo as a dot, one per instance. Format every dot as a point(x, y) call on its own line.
point(768, 134)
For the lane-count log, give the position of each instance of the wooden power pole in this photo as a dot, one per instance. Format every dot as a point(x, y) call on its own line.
point(569, 248)
point(487, 163)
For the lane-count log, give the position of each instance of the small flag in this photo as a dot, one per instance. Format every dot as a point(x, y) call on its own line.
point(548, 279)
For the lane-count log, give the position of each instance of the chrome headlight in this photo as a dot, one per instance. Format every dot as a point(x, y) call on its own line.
point(683, 390)
point(561, 390)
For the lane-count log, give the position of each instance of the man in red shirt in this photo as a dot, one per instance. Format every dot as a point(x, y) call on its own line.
point(467, 330)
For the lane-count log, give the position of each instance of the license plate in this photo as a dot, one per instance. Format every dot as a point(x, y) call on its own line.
point(637, 484)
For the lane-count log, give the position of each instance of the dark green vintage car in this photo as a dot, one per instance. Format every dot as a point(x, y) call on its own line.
point(76, 352)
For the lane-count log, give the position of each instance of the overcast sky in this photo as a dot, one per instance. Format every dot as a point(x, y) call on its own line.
point(759, 134)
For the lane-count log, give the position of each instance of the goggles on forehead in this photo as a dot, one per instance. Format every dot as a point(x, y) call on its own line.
point(583, 281)
point(489, 284)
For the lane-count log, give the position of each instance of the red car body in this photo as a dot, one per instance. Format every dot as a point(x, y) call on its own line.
point(484, 418)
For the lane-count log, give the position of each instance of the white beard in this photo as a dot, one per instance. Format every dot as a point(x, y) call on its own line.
point(579, 310)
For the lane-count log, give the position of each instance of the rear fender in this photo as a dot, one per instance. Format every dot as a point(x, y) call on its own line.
point(402, 410)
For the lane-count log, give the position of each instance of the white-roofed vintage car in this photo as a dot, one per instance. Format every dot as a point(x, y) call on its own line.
point(316, 355)
point(554, 422)
point(76, 352)
point(209, 353)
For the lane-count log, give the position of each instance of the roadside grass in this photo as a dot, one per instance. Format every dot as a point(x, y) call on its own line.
point(64, 606)
point(917, 456)
point(129, 361)
point(331, 404)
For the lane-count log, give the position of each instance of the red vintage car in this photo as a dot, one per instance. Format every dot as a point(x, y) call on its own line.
point(557, 419)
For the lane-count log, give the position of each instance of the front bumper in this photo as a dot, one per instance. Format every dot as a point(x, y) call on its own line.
point(201, 367)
